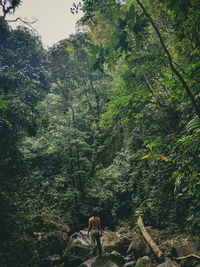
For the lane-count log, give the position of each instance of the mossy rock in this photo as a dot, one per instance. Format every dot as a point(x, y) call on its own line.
point(49, 222)
point(125, 229)
point(139, 246)
point(120, 245)
point(78, 250)
point(108, 236)
point(144, 262)
point(185, 246)
point(181, 245)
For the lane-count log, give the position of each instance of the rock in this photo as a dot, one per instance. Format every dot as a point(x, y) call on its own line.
point(166, 248)
point(168, 263)
point(117, 254)
point(138, 246)
point(108, 236)
point(116, 257)
point(120, 245)
point(185, 246)
point(100, 261)
point(55, 258)
point(73, 261)
point(180, 246)
point(144, 262)
point(49, 221)
point(123, 230)
point(75, 254)
point(190, 262)
point(129, 264)
point(50, 235)
point(129, 258)
point(80, 238)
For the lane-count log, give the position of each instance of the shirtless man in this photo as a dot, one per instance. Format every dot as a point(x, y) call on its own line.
point(95, 230)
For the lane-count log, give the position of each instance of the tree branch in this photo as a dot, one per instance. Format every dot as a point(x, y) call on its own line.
point(186, 73)
point(25, 22)
point(188, 256)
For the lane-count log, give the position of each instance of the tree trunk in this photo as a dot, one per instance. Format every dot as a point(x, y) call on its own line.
point(151, 90)
point(175, 71)
point(79, 176)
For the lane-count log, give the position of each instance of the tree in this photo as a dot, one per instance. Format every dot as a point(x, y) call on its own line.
point(23, 80)
point(63, 155)
point(158, 78)
point(8, 6)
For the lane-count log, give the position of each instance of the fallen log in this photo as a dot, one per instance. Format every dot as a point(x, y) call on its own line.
point(148, 238)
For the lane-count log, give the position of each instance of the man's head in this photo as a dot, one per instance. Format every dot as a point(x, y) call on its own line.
point(94, 212)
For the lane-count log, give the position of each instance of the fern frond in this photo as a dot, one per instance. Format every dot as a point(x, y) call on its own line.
point(193, 125)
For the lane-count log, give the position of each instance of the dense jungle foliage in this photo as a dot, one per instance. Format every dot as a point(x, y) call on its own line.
point(108, 118)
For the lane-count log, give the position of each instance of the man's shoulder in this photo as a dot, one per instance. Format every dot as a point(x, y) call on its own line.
point(94, 218)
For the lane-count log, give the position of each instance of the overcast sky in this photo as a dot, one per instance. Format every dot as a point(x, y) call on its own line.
point(55, 22)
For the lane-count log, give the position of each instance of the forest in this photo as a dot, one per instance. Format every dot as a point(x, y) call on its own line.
point(107, 119)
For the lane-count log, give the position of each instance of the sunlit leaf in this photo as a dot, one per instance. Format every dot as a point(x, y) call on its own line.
point(146, 156)
point(163, 157)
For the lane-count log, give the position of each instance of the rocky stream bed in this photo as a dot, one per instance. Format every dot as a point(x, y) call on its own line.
point(55, 246)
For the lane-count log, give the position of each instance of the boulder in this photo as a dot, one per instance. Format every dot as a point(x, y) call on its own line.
point(50, 235)
point(185, 246)
point(190, 262)
point(120, 245)
point(166, 248)
point(129, 258)
point(73, 261)
point(144, 262)
point(138, 246)
point(54, 259)
point(123, 230)
point(168, 263)
point(181, 245)
point(116, 257)
point(75, 254)
point(109, 236)
point(80, 238)
point(49, 222)
point(129, 264)
point(100, 261)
